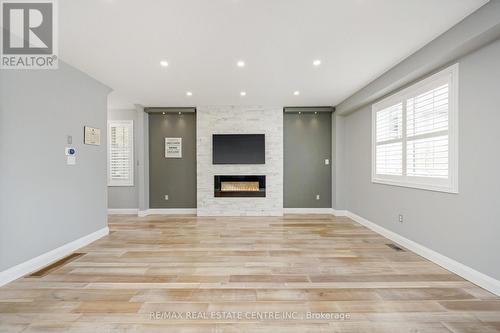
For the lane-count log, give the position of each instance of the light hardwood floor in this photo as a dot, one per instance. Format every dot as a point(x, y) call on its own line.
point(218, 266)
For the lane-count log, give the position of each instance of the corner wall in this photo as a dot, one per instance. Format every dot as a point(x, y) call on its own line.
point(45, 203)
point(228, 120)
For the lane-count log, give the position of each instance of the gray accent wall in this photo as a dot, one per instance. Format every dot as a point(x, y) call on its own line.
point(307, 143)
point(463, 226)
point(45, 203)
point(175, 177)
point(123, 197)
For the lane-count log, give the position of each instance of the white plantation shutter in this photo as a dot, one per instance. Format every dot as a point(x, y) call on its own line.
point(120, 153)
point(390, 159)
point(427, 133)
point(428, 112)
point(415, 135)
point(390, 123)
point(427, 157)
point(389, 150)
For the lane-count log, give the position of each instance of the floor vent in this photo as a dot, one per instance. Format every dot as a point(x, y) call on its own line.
point(395, 247)
point(56, 265)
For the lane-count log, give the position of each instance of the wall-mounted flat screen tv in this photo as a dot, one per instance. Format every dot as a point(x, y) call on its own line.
point(239, 149)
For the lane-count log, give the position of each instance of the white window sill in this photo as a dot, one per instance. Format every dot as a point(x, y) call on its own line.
point(427, 187)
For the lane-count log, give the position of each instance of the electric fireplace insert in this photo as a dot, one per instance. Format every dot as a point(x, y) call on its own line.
point(240, 186)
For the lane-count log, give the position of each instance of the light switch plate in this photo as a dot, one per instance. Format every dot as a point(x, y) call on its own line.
point(327, 161)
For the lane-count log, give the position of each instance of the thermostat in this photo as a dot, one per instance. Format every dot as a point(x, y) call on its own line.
point(70, 151)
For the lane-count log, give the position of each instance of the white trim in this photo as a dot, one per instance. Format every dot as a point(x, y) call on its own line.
point(339, 213)
point(468, 273)
point(331, 211)
point(422, 186)
point(167, 211)
point(45, 259)
point(123, 211)
point(307, 211)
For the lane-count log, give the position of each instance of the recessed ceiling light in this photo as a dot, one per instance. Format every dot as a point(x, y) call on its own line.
point(164, 63)
point(180, 112)
point(163, 113)
point(243, 93)
point(188, 93)
point(296, 93)
point(240, 63)
point(315, 112)
point(317, 62)
point(300, 112)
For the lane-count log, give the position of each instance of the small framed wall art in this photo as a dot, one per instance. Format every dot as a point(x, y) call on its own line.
point(173, 147)
point(92, 136)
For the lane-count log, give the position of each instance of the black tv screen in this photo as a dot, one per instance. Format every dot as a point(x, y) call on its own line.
point(239, 149)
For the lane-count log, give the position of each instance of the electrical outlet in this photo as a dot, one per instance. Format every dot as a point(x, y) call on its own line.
point(166, 196)
point(400, 218)
point(327, 162)
point(317, 196)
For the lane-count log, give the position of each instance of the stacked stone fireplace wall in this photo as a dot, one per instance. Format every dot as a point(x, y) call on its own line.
point(239, 120)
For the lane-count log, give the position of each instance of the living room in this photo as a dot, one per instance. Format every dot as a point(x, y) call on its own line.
point(243, 166)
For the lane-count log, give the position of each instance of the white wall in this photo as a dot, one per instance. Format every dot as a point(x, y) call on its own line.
point(239, 120)
point(472, 33)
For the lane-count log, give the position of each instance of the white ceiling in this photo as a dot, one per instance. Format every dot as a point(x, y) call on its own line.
point(121, 43)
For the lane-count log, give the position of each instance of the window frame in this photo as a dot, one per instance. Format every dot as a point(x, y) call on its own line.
point(450, 185)
point(130, 181)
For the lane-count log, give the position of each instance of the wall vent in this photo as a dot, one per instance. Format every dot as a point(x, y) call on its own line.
point(395, 247)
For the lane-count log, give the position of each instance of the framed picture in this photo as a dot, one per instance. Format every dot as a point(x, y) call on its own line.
point(173, 147)
point(92, 136)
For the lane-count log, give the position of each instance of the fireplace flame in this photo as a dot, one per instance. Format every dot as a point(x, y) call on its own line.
point(239, 186)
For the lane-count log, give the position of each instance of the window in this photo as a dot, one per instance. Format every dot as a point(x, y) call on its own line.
point(414, 135)
point(120, 153)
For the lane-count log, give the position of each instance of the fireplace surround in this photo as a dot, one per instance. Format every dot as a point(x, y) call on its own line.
point(212, 120)
point(239, 186)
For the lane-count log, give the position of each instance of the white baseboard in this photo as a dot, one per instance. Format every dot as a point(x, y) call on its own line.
point(123, 211)
point(337, 212)
point(228, 213)
point(331, 211)
point(167, 211)
point(307, 211)
point(47, 258)
point(468, 273)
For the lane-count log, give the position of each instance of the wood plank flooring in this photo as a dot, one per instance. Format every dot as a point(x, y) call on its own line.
point(232, 274)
